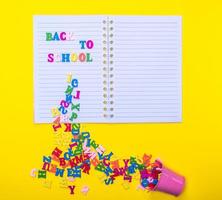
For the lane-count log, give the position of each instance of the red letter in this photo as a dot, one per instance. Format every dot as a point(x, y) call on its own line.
point(71, 187)
point(55, 127)
point(57, 152)
point(82, 57)
point(68, 127)
point(62, 161)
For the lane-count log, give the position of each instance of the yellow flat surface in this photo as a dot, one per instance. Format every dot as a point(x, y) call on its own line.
point(193, 147)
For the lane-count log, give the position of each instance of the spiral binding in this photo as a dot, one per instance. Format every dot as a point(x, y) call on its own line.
point(108, 68)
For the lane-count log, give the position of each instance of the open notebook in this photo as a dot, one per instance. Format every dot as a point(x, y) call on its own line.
point(128, 67)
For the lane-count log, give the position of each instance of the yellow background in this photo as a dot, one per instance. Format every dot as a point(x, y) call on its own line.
point(192, 147)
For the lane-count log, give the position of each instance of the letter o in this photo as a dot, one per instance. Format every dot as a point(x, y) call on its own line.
point(89, 44)
point(82, 57)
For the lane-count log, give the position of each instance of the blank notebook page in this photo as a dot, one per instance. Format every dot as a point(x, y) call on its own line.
point(146, 69)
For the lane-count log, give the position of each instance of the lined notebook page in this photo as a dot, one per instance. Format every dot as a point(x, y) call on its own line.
point(147, 69)
point(50, 78)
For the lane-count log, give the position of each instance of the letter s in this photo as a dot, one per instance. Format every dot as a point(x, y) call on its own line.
point(50, 57)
